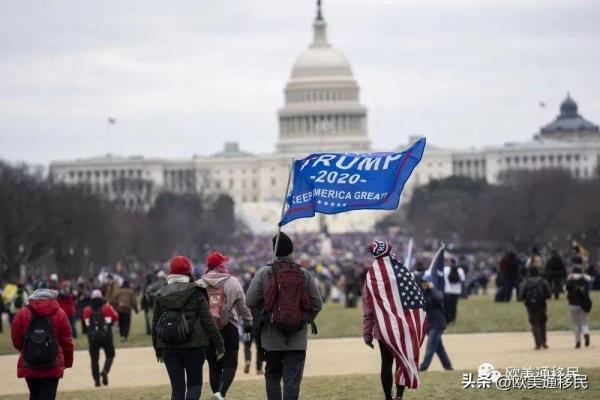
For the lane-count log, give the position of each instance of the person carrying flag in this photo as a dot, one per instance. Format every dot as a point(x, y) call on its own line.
point(436, 323)
point(393, 315)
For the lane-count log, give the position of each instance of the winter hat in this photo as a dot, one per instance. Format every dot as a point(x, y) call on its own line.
point(215, 259)
point(285, 247)
point(41, 284)
point(96, 294)
point(427, 278)
point(180, 265)
point(379, 248)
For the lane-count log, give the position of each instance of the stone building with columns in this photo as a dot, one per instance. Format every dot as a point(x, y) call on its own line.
point(322, 112)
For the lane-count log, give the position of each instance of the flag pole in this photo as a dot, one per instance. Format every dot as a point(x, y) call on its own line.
point(287, 188)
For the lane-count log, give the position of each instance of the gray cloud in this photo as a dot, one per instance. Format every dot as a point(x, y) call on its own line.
point(182, 77)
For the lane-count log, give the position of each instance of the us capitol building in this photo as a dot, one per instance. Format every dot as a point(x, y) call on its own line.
point(322, 112)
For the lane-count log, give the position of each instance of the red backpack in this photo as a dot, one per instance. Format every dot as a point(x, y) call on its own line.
point(286, 300)
point(217, 302)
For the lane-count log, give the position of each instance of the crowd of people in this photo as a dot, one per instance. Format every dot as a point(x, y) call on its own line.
point(200, 314)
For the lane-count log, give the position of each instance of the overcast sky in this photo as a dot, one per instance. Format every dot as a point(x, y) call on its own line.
point(182, 77)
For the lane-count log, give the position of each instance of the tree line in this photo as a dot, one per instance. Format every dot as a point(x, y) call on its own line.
point(67, 229)
point(527, 208)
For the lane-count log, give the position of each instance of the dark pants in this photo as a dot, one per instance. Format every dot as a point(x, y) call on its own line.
point(124, 324)
point(506, 290)
point(182, 364)
point(537, 319)
point(42, 388)
point(435, 346)
point(147, 320)
point(73, 322)
point(286, 365)
point(556, 283)
point(259, 350)
point(450, 306)
point(83, 327)
point(222, 372)
point(109, 352)
point(387, 364)
point(351, 295)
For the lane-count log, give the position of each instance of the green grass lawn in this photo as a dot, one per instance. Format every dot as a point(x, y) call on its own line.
point(435, 385)
point(475, 314)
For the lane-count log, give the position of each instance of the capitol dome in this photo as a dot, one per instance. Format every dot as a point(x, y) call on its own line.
point(320, 59)
point(322, 110)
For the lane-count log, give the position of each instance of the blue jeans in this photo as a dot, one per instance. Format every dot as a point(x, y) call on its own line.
point(435, 346)
point(181, 364)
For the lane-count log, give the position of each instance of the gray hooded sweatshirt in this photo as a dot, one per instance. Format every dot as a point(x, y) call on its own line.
point(234, 293)
point(272, 338)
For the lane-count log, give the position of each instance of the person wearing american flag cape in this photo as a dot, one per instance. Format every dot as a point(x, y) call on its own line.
point(393, 315)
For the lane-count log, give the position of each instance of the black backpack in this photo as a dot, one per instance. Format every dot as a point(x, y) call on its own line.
point(98, 329)
point(40, 350)
point(173, 327)
point(535, 296)
point(453, 276)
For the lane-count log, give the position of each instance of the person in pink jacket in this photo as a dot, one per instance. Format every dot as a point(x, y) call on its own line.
point(227, 303)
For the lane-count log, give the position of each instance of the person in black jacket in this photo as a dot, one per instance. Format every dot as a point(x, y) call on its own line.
point(184, 358)
point(534, 292)
point(509, 277)
point(556, 272)
point(434, 306)
point(578, 294)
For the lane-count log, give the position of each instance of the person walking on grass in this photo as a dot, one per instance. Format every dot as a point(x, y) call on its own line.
point(183, 329)
point(18, 300)
point(67, 301)
point(393, 313)
point(41, 332)
point(227, 303)
point(556, 273)
point(126, 303)
point(436, 318)
point(580, 304)
point(254, 337)
point(454, 277)
point(98, 318)
point(534, 292)
point(290, 300)
point(148, 298)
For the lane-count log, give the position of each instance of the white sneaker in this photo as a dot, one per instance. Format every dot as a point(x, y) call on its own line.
point(217, 396)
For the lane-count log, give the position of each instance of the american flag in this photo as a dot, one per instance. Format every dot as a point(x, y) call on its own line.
point(398, 305)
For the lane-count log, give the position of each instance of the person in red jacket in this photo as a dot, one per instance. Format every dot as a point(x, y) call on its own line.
point(43, 382)
point(66, 301)
point(98, 318)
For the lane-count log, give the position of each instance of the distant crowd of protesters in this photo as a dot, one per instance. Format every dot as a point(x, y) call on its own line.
point(92, 306)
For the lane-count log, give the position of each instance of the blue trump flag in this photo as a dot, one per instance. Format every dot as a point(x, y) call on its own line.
point(332, 183)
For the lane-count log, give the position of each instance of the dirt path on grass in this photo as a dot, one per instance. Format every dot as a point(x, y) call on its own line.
point(137, 366)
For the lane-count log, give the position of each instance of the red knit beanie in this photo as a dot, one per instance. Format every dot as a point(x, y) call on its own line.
point(215, 259)
point(180, 265)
